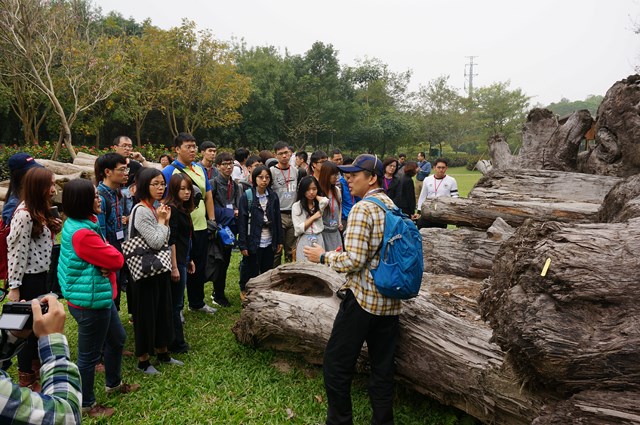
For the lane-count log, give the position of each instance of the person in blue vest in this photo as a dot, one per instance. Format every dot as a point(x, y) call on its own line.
point(203, 216)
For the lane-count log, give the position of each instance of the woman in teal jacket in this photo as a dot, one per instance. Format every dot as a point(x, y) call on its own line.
point(86, 271)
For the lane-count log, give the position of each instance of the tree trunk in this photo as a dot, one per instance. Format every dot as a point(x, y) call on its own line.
point(622, 202)
point(550, 143)
point(617, 149)
point(576, 327)
point(594, 407)
point(463, 252)
point(500, 153)
point(444, 349)
point(515, 195)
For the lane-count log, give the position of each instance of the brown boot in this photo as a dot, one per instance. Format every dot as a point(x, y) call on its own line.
point(29, 380)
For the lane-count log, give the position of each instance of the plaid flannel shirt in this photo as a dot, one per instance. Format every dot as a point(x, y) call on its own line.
point(61, 396)
point(365, 230)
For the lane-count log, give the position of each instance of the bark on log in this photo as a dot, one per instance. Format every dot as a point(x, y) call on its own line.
point(622, 202)
point(550, 143)
point(481, 213)
point(617, 150)
point(577, 327)
point(593, 407)
point(444, 349)
point(463, 252)
point(516, 195)
point(500, 153)
point(484, 166)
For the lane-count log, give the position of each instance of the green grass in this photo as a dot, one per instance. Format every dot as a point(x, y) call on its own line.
point(465, 178)
point(224, 382)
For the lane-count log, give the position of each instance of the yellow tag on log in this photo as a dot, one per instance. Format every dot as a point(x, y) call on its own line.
point(546, 267)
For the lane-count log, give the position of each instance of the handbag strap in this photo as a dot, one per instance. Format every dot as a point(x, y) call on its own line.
point(132, 227)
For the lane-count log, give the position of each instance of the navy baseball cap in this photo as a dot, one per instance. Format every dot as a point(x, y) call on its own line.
point(364, 162)
point(22, 161)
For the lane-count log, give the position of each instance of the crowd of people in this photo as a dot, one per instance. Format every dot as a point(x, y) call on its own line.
point(269, 206)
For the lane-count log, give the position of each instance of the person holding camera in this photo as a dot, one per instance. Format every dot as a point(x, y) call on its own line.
point(29, 247)
point(260, 234)
point(87, 273)
point(59, 402)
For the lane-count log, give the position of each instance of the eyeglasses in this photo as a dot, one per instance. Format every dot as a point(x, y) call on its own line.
point(158, 185)
point(122, 169)
point(283, 153)
point(226, 164)
point(126, 146)
point(190, 147)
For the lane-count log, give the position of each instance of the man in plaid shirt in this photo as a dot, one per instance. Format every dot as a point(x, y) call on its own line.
point(61, 396)
point(364, 314)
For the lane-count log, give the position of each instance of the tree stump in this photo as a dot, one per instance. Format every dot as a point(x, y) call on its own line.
point(577, 327)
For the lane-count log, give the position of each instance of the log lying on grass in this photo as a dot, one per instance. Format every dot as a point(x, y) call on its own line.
point(515, 195)
point(463, 252)
point(444, 349)
point(577, 327)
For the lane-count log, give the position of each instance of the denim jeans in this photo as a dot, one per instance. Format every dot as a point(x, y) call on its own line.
point(177, 300)
point(98, 329)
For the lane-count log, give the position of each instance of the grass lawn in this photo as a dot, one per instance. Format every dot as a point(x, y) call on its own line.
point(465, 178)
point(224, 382)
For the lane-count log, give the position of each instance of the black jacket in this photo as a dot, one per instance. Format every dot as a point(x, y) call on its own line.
point(249, 235)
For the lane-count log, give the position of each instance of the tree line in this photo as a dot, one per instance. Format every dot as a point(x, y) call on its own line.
point(69, 73)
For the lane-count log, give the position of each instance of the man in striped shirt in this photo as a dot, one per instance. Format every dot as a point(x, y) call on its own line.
point(364, 314)
point(61, 396)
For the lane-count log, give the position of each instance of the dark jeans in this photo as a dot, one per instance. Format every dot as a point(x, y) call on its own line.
point(33, 285)
point(98, 329)
point(255, 264)
point(195, 282)
point(220, 278)
point(177, 299)
point(351, 328)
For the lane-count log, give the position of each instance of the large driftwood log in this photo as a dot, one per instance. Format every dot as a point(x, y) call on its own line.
point(593, 407)
point(444, 349)
point(516, 195)
point(617, 150)
point(463, 252)
point(622, 202)
point(577, 327)
point(550, 143)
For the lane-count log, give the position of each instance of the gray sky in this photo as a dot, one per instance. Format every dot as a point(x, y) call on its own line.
point(548, 48)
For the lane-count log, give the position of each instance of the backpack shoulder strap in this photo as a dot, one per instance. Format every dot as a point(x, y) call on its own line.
point(249, 194)
point(107, 202)
point(378, 203)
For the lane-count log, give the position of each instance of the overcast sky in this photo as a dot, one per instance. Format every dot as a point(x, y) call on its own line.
point(548, 48)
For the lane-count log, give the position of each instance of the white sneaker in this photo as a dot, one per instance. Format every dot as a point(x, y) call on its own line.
point(204, 309)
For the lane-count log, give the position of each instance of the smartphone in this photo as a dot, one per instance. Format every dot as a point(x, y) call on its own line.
point(54, 212)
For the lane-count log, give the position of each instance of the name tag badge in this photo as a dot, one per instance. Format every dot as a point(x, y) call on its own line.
point(230, 206)
point(333, 222)
point(120, 235)
point(288, 195)
point(312, 239)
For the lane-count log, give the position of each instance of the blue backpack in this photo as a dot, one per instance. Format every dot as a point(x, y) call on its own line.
point(399, 273)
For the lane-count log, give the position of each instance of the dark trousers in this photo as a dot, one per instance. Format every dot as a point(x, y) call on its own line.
point(424, 224)
point(177, 299)
point(351, 328)
point(256, 263)
point(153, 317)
point(195, 281)
point(220, 277)
point(33, 285)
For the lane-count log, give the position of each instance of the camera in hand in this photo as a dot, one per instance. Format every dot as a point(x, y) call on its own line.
point(17, 316)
